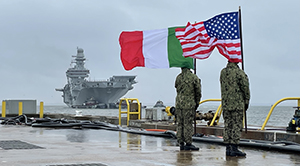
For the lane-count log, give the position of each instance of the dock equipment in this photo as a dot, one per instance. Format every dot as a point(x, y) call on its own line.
point(131, 109)
point(274, 105)
point(218, 112)
point(295, 121)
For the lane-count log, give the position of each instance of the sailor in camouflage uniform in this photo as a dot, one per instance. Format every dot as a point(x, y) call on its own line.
point(188, 88)
point(235, 99)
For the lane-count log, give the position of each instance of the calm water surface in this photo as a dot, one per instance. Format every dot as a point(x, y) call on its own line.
point(256, 115)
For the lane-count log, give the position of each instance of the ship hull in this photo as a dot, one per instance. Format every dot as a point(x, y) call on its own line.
point(102, 95)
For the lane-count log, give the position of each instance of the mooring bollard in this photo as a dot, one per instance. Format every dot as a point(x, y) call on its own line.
point(20, 108)
point(41, 109)
point(3, 109)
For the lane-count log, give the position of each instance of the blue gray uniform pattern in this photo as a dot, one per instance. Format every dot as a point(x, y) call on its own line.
point(188, 88)
point(235, 94)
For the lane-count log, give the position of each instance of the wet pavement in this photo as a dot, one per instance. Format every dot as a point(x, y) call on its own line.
point(29, 146)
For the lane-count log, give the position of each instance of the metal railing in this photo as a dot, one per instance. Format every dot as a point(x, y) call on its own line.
point(129, 112)
point(217, 112)
point(274, 105)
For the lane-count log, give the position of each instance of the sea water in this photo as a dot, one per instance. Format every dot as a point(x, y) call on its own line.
point(256, 115)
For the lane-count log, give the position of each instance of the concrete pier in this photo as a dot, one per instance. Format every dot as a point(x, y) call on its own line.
point(29, 146)
point(253, 132)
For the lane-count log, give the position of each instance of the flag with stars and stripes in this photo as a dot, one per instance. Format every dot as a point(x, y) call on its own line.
point(222, 31)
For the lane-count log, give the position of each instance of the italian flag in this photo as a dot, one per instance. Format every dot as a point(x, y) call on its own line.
point(152, 49)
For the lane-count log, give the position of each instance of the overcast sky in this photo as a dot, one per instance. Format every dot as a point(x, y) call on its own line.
point(38, 38)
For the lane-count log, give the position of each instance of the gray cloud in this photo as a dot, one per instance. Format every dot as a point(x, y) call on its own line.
point(39, 37)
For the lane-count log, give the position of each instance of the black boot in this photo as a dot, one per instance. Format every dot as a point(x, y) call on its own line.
point(190, 147)
point(235, 151)
point(228, 149)
point(181, 146)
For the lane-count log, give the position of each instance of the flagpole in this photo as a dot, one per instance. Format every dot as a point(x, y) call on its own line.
point(241, 38)
point(195, 130)
point(242, 55)
point(195, 66)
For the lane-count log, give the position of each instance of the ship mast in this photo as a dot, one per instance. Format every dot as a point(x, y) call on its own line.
point(77, 74)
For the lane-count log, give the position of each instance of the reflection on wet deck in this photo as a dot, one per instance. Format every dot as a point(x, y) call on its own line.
point(69, 146)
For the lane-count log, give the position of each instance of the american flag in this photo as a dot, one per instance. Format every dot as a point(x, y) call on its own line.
point(222, 31)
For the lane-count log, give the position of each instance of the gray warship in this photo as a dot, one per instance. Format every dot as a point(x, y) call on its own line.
point(80, 93)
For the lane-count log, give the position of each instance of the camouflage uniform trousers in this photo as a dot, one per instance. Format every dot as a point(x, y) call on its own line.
point(184, 118)
point(233, 121)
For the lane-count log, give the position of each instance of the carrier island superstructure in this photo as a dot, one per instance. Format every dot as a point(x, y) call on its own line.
point(81, 93)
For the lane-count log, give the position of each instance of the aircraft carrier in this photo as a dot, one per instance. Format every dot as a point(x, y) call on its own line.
point(81, 93)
